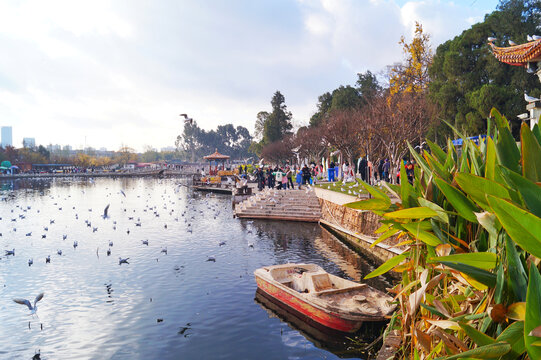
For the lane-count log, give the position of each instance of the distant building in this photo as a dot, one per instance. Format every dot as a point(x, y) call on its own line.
point(67, 148)
point(7, 136)
point(168, 148)
point(29, 142)
point(54, 148)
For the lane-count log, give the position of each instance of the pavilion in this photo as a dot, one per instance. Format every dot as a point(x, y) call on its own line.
point(216, 158)
point(527, 55)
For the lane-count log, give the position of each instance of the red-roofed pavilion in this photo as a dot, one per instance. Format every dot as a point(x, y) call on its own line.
point(216, 158)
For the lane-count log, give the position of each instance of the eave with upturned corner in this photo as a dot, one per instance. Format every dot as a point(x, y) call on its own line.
point(518, 55)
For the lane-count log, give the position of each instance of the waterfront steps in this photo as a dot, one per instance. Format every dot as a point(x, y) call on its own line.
point(292, 205)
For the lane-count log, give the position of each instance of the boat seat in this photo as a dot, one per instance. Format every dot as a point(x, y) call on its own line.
point(321, 282)
point(340, 290)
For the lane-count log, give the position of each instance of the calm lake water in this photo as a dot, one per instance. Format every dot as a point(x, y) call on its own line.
point(159, 306)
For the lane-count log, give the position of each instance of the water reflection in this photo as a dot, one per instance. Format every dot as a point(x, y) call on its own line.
point(95, 309)
point(345, 346)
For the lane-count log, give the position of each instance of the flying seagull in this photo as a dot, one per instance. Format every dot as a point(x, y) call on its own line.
point(529, 98)
point(187, 119)
point(34, 308)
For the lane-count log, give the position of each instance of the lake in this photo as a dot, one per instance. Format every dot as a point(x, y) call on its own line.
point(161, 305)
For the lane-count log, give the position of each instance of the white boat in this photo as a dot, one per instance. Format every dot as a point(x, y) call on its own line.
point(327, 299)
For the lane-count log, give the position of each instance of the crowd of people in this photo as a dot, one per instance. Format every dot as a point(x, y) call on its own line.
point(291, 177)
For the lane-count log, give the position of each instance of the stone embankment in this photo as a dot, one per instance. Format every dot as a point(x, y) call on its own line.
point(292, 205)
point(356, 227)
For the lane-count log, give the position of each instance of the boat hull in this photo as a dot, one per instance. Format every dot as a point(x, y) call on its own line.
point(321, 316)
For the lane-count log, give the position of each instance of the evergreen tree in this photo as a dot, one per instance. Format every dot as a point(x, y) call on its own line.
point(278, 122)
point(467, 80)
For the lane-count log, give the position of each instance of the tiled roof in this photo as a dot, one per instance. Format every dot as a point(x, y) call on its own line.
point(518, 55)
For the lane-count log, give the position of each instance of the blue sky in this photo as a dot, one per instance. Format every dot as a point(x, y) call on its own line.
point(120, 72)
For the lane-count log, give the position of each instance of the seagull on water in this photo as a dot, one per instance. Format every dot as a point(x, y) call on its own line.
point(34, 308)
point(105, 216)
point(123, 261)
point(10, 252)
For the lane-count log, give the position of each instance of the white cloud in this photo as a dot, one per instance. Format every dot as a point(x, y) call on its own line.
point(117, 72)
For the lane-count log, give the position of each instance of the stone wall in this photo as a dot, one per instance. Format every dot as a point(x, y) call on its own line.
point(356, 227)
point(362, 222)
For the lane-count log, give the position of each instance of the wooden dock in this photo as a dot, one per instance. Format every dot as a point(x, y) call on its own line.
point(290, 205)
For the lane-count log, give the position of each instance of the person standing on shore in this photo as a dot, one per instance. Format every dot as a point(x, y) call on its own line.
point(289, 176)
point(306, 174)
point(260, 179)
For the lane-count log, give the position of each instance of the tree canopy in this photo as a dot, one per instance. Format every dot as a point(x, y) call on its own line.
point(467, 80)
point(227, 139)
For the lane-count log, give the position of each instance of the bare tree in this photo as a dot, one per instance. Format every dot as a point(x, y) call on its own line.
point(279, 151)
point(398, 119)
point(311, 143)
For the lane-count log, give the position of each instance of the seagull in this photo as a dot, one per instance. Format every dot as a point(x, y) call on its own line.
point(34, 308)
point(59, 252)
point(109, 252)
point(122, 192)
point(187, 119)
point(123, 261)
point(512, 43)
point(529, 98)
point(222, 243)
point(64, 237)
point(48, 259)
point(491, 39)
point(30, 262)
point(105, 211)
point(211, 258)
point(10, 252)
point(110, 243)
point(145, 242)
point(536, 37)
point(75, 244)
point(529, 38)
point(164, 250)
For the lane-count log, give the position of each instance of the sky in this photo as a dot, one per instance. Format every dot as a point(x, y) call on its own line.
point(111, 73)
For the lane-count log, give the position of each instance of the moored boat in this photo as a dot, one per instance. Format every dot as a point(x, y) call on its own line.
point(328, 300)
